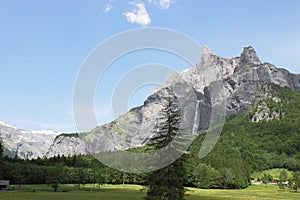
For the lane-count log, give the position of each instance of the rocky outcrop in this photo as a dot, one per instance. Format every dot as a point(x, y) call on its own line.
point(249, 56)
point(211, 68)
point(67, 145)
point(267, 105)
point(242, 85)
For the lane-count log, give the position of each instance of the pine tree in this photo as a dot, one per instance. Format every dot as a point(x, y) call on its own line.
point(167, 183)
point(1, 160)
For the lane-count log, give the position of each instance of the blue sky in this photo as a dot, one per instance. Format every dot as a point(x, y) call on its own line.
point(44, 43)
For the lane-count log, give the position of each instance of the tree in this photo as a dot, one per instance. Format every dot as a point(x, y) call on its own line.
point(265, 179)
point(294, 182)
point(167, 183)
point(1, 160)
point(282, 178)
point(227, 178)
point(54, 177)
point(101, 176)
point(81, 176)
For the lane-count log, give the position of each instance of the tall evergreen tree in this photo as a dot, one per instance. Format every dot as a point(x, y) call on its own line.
point(1, 160)
point(167, 183)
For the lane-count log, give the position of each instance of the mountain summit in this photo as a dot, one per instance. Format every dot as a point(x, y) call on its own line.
point(241, 78)
point(249, 56)
point(207, 51)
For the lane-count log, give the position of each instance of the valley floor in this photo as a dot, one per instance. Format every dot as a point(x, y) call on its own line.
point(136, 192)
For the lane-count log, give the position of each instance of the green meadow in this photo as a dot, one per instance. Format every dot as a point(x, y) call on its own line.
point(134, 192)
point(273, 172)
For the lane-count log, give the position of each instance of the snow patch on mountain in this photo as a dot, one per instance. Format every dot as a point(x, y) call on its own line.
point(26, 143)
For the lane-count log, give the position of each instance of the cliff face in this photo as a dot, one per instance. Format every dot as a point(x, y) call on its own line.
point(67, 145)
point(25, 143)
point(240, 79)
point(249, 75)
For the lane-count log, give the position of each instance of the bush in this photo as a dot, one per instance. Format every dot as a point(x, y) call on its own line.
point(10, 187)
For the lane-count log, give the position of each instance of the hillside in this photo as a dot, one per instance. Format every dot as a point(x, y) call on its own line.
point(248, 146)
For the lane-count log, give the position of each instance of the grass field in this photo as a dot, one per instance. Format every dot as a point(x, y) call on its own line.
point(134, 192)
point(273, 172)
point(266, 192)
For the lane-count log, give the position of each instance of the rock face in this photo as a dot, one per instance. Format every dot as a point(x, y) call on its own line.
point(199, 86)
point(29, 144)
point(249, 56)
point(267, 105)
point(67, 145)
point(211, 68)
point(135, 127)
point(242, 85)
point(241, 77)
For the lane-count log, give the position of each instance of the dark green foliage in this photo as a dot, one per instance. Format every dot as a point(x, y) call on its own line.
point(168, 182)
point(71, 170)
point(168, 125)
point(294, 181)
point(282, 178)
point(55, 177)
point(1, 160)
point(266, 178)
point(245, 146)
point(203, 176)
point(224, 167)
point(76, 135)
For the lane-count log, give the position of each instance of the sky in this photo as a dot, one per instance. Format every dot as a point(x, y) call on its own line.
point(44, 43)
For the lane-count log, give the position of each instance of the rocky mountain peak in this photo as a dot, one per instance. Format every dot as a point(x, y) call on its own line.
point(207, 51)
point(208, 55)
point(249, 56)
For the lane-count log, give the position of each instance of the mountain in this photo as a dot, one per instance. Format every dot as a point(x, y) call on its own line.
point(216, 86)
point(240, 79)
point(28, 143)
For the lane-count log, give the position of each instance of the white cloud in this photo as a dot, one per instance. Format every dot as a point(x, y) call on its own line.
point(108, 7)
point(162, 4)
point(165, 4)
point(138, 15)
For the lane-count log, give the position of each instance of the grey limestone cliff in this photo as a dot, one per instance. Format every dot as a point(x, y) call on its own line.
point(240, 78)
point(67, 145)
point(25, 143)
